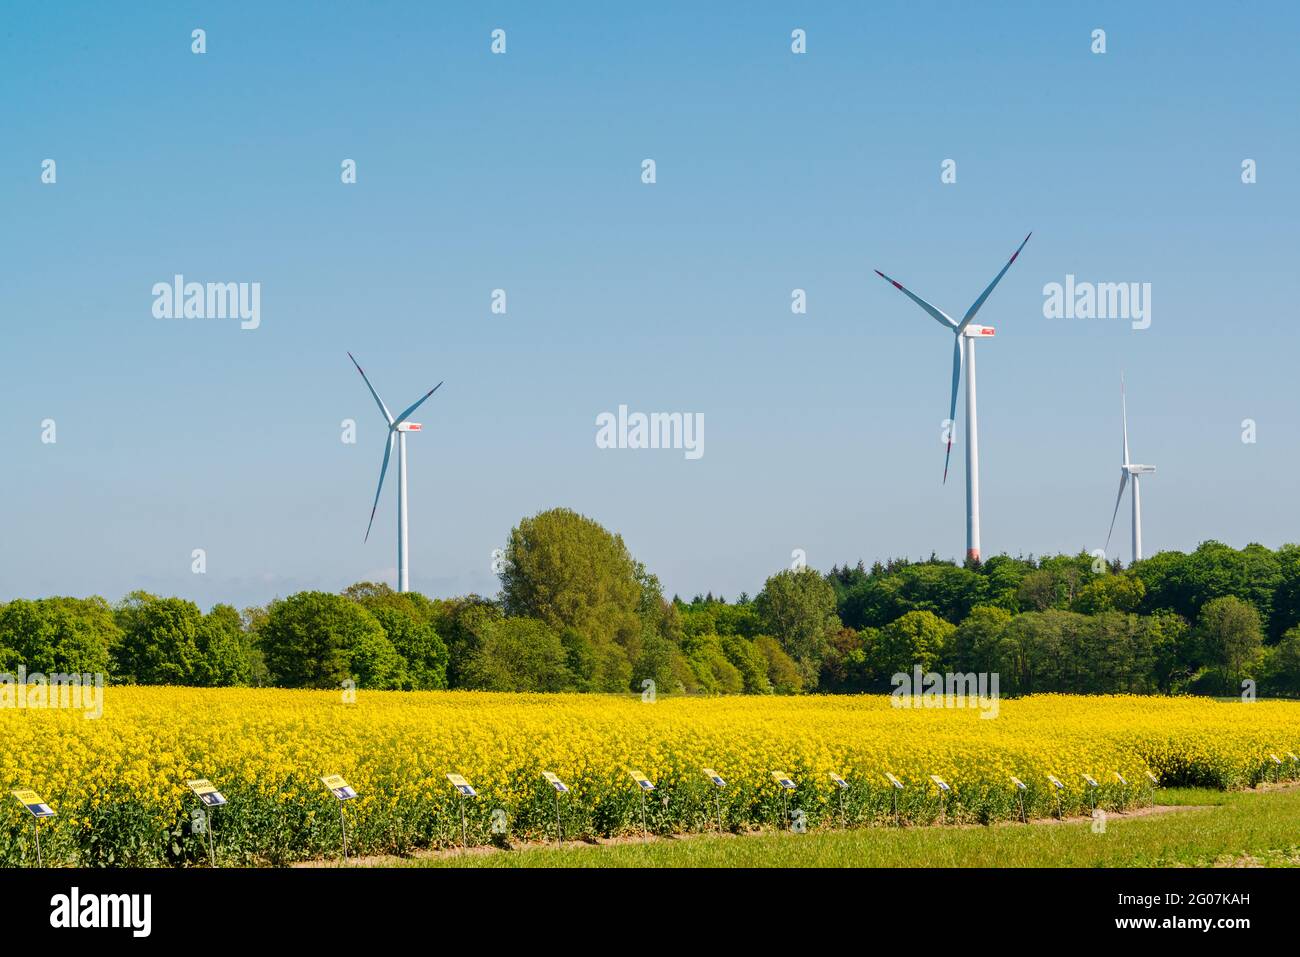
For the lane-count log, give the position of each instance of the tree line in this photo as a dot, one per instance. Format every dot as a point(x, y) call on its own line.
point(576, 612)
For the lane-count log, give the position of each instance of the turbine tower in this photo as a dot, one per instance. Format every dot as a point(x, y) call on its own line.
point(397, 429)
point(963, 352)
point(1127, 470)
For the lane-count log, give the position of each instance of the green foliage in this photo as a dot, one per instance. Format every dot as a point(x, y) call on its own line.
point(519, 654)
point(783, 672)
point(1228, 631)
point(798, 609)
point(568, 571)
point(58, 635)
point(1183, 583)
point(577, 611)
point(159, 643)
point(1280, 668)
point(1107, 592)
point(916, 638)
point(845, 667)
point(225, 656)
point(408, 621)
point(752, 665)
point(310, 640)
point(978, 642)
point(934, 586)
point(462, 623)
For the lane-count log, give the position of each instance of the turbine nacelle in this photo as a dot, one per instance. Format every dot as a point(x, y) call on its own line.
point(407, 427)
point(1138, 469)
point(973, 331)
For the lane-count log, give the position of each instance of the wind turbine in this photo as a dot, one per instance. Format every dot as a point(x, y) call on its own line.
point(963, 351)
point(1128, 469)
point(397, 429)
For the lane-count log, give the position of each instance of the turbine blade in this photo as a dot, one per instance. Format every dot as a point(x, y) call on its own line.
point(1123, 480)
point(952, 405)
point(970, 313)
point(402, 418)
point(938, 314)
point(388, 416)
point(1123, 403)
point(383, 470)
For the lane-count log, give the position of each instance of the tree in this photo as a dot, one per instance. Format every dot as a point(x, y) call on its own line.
point(568, 571)
point(1184, 583)
point(519, 654)
point(844, 666)
point(319, 640)
point(712, 671)
point(1175, 657)
point(408, 622)
point(57, 635)
point(1286, 598)
point(580, 658)
point(783, 672)
point(1110, 592)
point(1230, 637)
point(1282, 674)
point(159, 643)
point(917, 638)
point(798, 609)
point(977, 643)
point(462, 623)
point(751, 663)
point(417, 642)
point(656, 663)
point(224, 653)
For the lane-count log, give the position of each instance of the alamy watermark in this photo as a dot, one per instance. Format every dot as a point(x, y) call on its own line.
point(213, 300)
point(923, 689)
point(37, 691)
point(1101, 300)
point(656, 430)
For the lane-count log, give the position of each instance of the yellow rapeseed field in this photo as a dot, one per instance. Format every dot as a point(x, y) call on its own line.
point(118, 782)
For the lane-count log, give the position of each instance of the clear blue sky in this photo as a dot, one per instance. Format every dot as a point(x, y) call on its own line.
point(522, 172)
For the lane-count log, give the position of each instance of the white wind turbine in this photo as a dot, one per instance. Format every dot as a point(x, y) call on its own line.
point(397, 429)
point(963, 350)
point(1128, 469)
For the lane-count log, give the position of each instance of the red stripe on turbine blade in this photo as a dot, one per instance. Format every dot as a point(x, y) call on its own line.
point(897, 285)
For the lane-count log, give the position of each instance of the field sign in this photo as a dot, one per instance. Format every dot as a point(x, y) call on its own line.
point(1154, 779)
point(1091, 780)
point(461, 785)
point(555, 782)
point(1276, 759)
point(783, 779)
point(643, 782)
point(839, 782)
point(898, 785)
point(1020, 785)
point(1120, 778)
point(208, 794)
point(940, 783)
point(713, 776)
point(1056, 782)
point(32, 801)
point(1291, 755)
point(338, 787)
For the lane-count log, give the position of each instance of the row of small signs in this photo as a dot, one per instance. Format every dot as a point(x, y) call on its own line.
point(211, 797)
